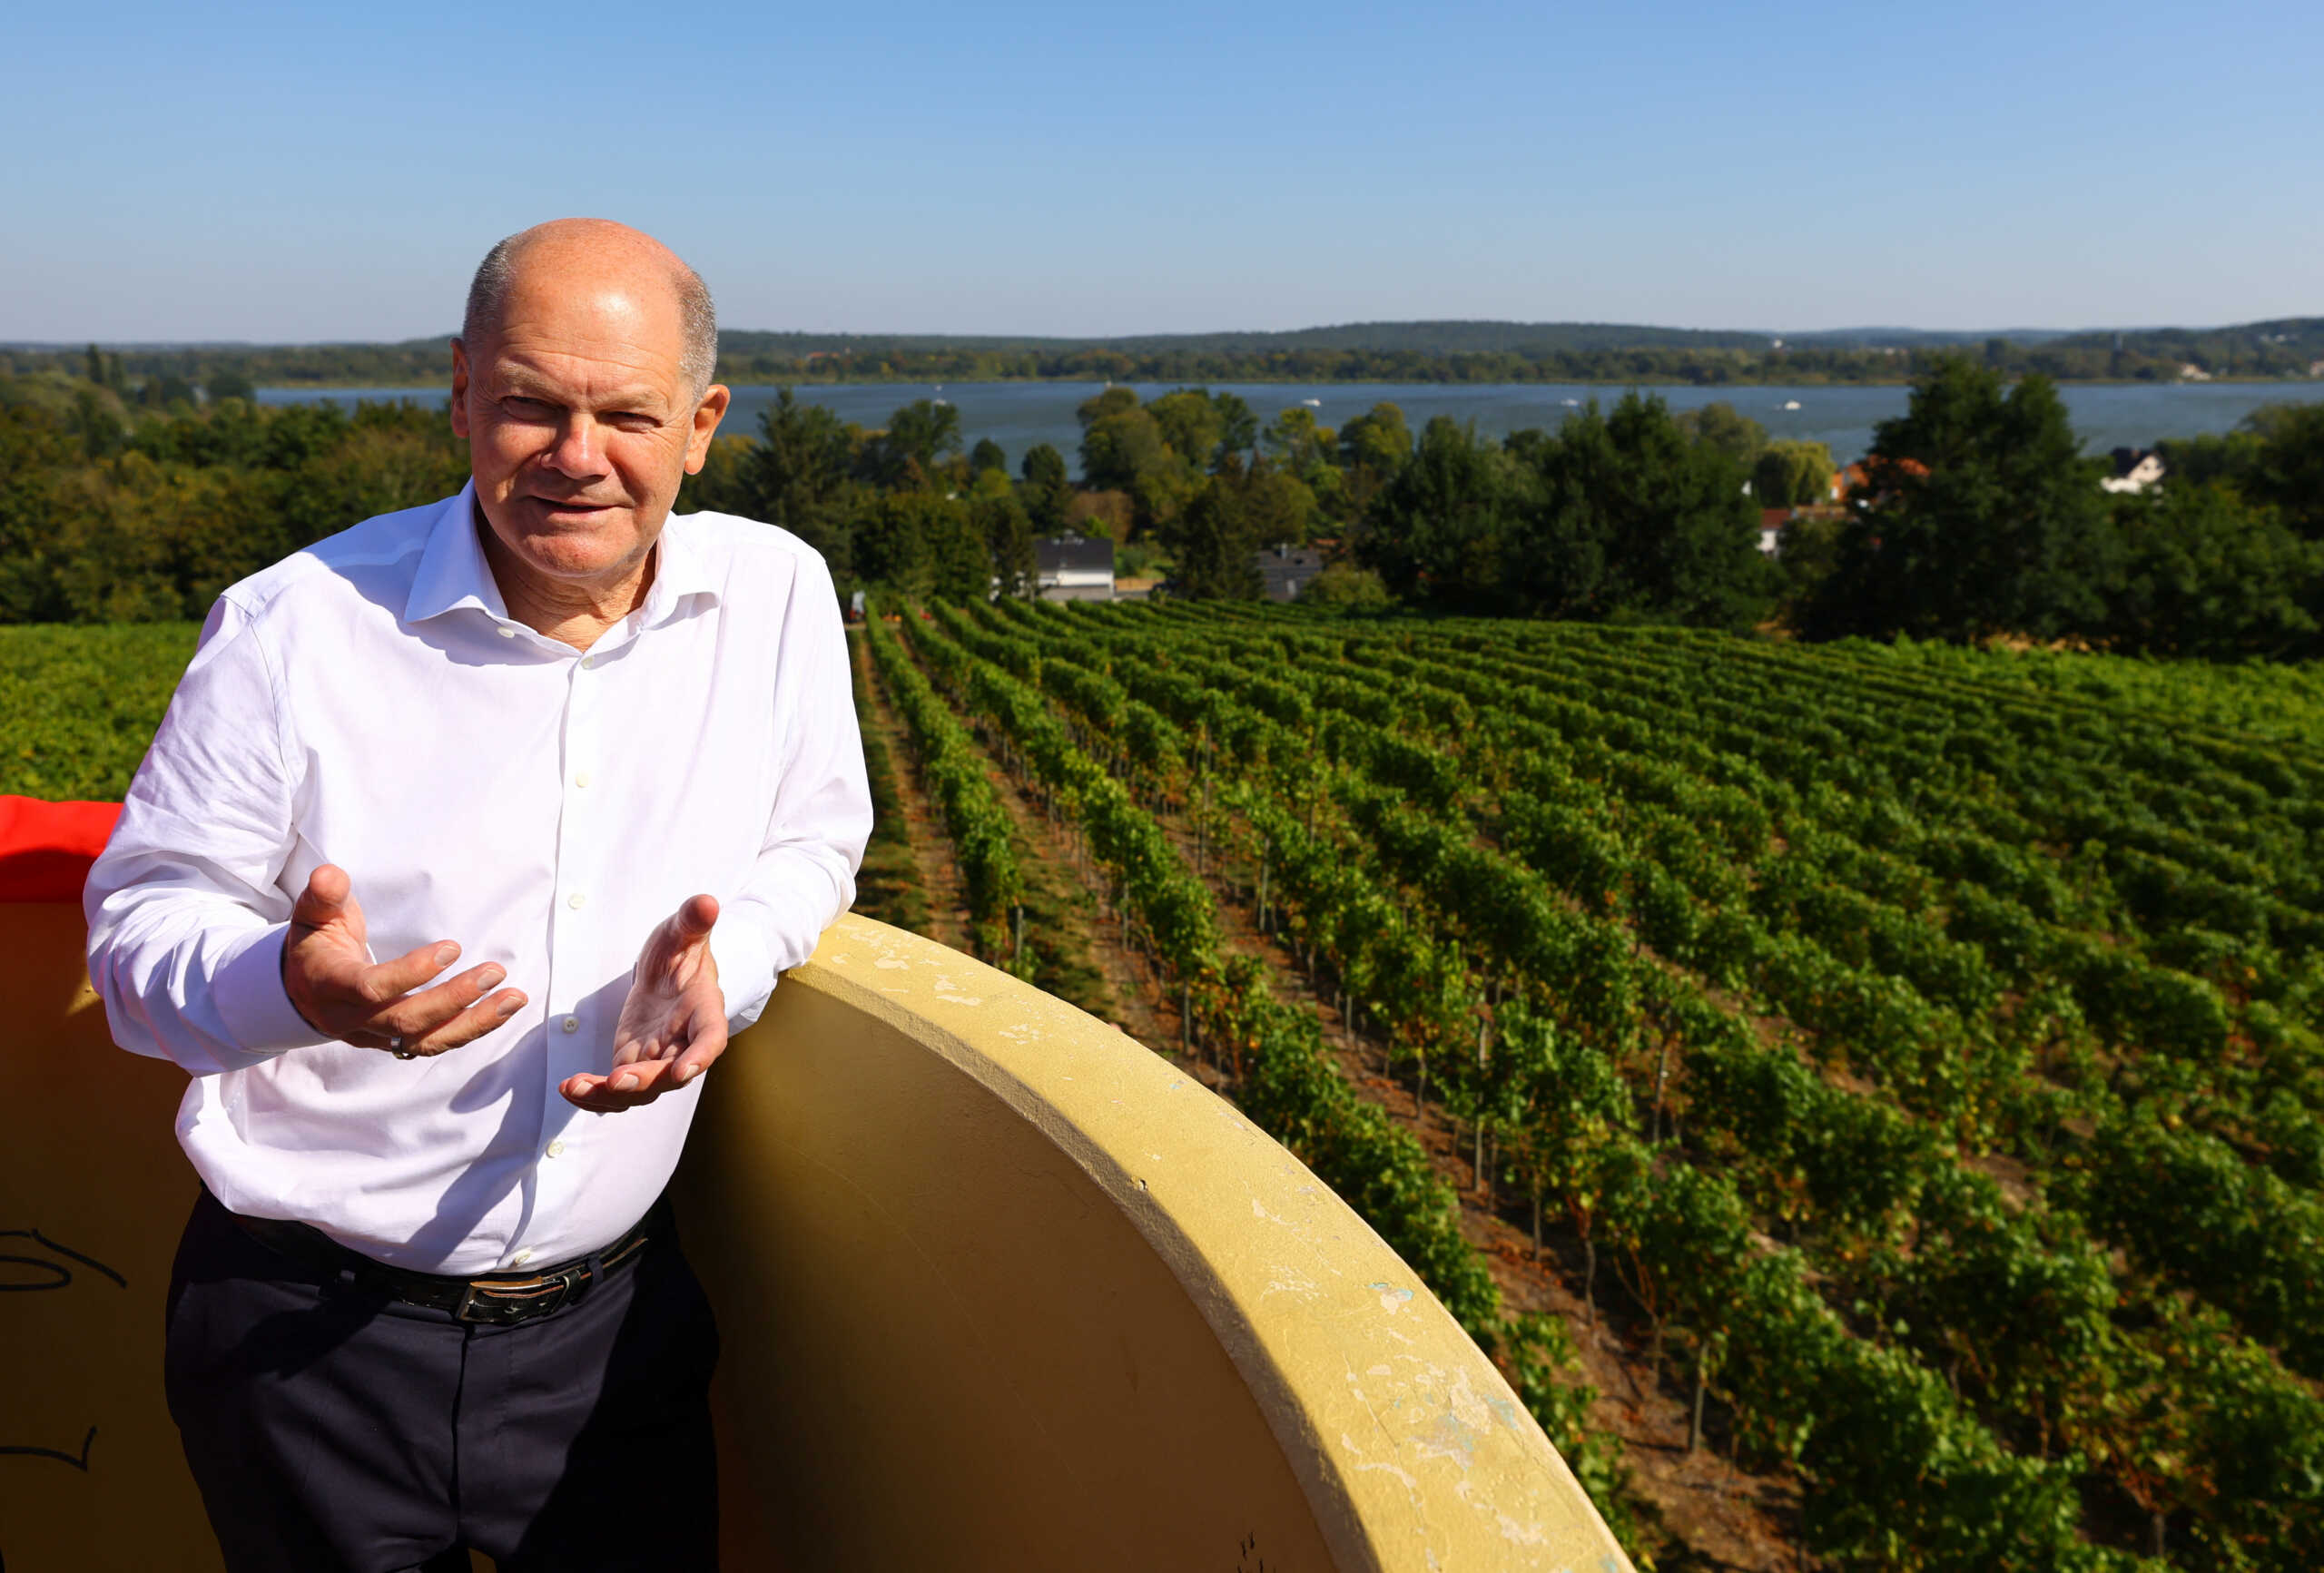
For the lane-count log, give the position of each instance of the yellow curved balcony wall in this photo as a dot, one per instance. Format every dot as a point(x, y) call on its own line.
point(998, 1289)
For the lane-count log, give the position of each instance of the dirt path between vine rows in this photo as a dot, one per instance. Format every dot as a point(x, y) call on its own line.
point(931, 846)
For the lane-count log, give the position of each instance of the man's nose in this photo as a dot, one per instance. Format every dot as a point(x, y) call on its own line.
point(580, 448)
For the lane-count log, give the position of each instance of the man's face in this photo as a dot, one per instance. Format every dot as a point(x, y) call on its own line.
point(579, 422)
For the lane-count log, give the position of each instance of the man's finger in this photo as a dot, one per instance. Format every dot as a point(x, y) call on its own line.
point(324, 899)
point(487, 1015)
point(626, 1088)
point(415, 1016)
point(390, 980)
point(709, 1041)
point(696, 917)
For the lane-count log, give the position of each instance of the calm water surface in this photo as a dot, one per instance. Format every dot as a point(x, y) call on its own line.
point(1018, 415)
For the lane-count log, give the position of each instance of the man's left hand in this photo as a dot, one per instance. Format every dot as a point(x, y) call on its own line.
point(674, 1023)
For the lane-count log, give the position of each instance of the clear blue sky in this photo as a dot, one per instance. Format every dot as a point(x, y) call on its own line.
point(334, 171)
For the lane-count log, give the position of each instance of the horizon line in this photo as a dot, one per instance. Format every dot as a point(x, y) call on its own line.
point(41, 345)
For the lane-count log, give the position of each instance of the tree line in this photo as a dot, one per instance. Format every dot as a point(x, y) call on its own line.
point(1424, 353)
point(1973, 515)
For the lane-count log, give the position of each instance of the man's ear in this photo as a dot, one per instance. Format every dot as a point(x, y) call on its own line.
point(460, 405)
point(707, 413)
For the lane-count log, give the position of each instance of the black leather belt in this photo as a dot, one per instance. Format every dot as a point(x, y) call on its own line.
point(493, 1299)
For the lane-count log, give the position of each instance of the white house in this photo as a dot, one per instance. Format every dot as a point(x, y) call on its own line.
point(2135, 469)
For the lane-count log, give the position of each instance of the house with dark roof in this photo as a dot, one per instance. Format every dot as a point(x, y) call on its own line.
point(1071, 567)
point(1284, 569)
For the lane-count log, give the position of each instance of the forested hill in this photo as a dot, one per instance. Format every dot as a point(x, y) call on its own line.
point(1436, 351)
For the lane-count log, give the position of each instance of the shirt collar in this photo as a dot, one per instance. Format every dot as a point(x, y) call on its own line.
point(453, 573)
point(452, 570)
point(680, 570)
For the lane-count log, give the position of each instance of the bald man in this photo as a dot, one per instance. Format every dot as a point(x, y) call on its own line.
point(471, 834)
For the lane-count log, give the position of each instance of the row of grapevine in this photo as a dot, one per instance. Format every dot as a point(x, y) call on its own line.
point(1287, 1083)
point(1655, 1220)
point(953, 772)
point(2077, 1259)
point(1859, 1003)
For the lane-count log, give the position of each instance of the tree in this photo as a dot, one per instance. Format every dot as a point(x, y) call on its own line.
point(2288, 470)
point(36, 450)
point(1631, 517)
point(1437, 530)
point(1192, 427)
point(1238, 427)
point(1213, 544)
point(2208, 572)
point(988, 455)
point(1374, 446)
point(1046, 490)
point(1008, 533)
point(228, 382)
point(1979, 517)
point(1278, 507)
point(1121, 448)
point(1097, 406)
point(1347, 587)
point(905, 455)
point(1293, 440)
point(802, 466)
point(923, 544)
point(1724, 427)
point(1791, 474)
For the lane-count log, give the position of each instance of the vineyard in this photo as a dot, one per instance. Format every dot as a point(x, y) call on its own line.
point(1908, 1059)
point(1919, 1061)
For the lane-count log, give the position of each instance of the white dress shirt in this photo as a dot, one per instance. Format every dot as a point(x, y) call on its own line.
point(370, 703)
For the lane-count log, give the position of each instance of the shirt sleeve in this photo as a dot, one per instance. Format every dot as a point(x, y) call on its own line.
point(186, 915)
point(804, 877)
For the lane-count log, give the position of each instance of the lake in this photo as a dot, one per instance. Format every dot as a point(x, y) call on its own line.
point(1018, 415)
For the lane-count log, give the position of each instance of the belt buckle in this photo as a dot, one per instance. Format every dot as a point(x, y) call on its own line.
point(484, 1302)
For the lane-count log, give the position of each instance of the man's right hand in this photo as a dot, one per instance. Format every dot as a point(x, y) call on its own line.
point(333, 983)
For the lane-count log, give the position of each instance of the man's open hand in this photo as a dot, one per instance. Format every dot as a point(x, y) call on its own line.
point(674, 1023)
point(334, 984)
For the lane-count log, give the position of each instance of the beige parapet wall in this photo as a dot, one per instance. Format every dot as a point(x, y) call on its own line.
point(998, 1289)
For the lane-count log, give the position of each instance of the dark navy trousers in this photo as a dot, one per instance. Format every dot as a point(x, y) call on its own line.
point(337, 1431)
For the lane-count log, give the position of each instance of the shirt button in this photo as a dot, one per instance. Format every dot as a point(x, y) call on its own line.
point(577, 900)
point(581, 780)
point(556, 1148)
point(520, 1258)
point(506, 632)
point(588, 662)
point(572, 1024)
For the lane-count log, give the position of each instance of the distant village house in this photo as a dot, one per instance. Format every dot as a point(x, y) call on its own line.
point(1071, 567)
point(1284, 569)
point(2135, 469)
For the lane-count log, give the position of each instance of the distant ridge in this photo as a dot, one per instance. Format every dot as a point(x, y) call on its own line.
point(1612, 353)
point(1450, 336)
point(1444, 337)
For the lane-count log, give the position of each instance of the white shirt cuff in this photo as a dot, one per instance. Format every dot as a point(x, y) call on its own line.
point(247, 990)
point(745, 969)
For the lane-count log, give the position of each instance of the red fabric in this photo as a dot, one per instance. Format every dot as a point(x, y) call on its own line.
point(46, 849)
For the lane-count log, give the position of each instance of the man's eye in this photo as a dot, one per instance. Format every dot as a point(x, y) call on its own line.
point(631, 420)
point(526, 408)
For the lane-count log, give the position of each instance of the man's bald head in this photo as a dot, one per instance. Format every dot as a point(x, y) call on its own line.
point(599, 247)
